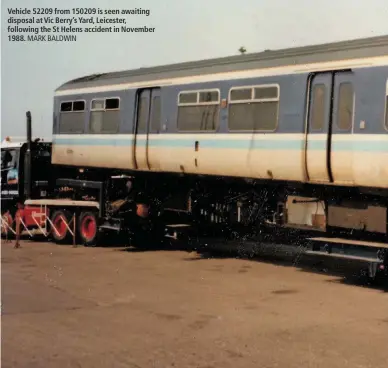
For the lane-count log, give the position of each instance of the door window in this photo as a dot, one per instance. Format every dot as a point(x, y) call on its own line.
point(155, 114)
point(142, 115)
point(318, 107)
point(345, 106)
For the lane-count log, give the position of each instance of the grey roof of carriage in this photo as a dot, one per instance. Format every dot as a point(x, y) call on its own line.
point(351, 49)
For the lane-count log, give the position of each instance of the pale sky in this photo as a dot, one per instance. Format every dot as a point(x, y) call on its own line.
point(185, 30)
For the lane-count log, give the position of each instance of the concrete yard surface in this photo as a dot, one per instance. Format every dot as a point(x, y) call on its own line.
point(112, 307)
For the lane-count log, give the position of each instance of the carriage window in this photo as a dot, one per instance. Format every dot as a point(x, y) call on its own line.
point(266, 92)
point(188, 98)
point(318, 107)
point(345, 106)
point(105, 116)
point(96, 118)
point(208, 96)
point(72, 117)
point(198, 111)
point(66, 106)
point(241, 94)
point(254, 108)
point(155, 114)
point(98, 104)
point(111, 121)
point(111, 103)
point(78, 105)
point(386, 113)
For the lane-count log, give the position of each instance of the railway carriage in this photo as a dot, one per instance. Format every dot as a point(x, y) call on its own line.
point(309, 119)
point(316, 122)
point(299, 137)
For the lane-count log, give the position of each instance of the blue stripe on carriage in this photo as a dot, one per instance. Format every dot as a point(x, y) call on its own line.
point(220, 143)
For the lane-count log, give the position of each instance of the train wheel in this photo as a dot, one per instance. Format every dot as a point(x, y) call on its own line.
point(59, 231)
point(88, 228)
point(7, 223)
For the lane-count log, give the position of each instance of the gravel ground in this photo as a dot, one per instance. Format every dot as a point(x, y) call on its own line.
point(112, 307)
